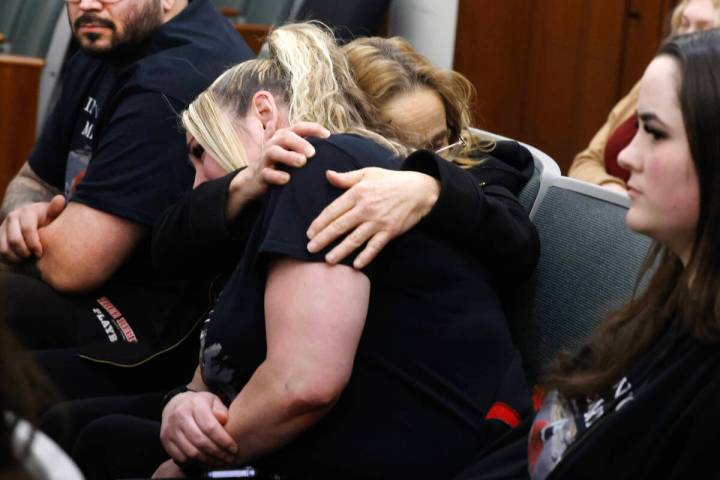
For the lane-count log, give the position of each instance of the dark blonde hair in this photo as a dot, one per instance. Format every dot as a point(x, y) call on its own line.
point(387, 67)
point(677, 13)
point(683, 298)
point(306, 71)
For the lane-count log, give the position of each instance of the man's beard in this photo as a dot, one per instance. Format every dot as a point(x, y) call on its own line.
point(139, 25)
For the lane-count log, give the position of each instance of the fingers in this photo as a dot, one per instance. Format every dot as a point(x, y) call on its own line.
point(274, 154)
point(274, 177)
point(192, 430)
point(5, 251)
point(220, 411)
point(351, 242)
point(211, 437)
point(310, 129)
point(181, 449)
point(331, 223)
point(345, 180)
point(55, 208)
point(15, 237)
point(371, 250)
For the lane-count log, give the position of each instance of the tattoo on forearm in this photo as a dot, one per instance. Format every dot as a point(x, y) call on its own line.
point(26, 188)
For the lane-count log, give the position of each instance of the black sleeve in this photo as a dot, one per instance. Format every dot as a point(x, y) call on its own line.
point(140, 166)
point(49, 154)
point(291, 209)
point(489, 219)
point(193, 237)
point(509, 165)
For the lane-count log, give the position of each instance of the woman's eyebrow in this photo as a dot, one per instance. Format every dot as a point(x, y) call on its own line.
point(650, 116)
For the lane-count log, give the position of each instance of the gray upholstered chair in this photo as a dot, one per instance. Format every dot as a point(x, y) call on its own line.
point(267, 11)
point(9, 11)
point(589, 264)
point(34, 27)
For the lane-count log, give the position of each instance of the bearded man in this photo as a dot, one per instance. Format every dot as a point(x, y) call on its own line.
point(110, 159)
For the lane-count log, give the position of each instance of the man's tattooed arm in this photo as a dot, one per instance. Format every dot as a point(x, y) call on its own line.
point(26, 188)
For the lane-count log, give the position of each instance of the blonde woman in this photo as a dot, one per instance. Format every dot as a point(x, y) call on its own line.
point(321, 370)
point(598, 163)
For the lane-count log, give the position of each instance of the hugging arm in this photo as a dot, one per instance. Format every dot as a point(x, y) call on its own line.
point(476, 208)
point(311, 348)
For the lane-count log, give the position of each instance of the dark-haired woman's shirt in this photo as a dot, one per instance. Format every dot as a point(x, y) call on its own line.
point(660, 420)
point(433, 354)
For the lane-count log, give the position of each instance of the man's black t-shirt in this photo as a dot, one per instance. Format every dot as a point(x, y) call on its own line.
point(113, 143)
point(433, 352)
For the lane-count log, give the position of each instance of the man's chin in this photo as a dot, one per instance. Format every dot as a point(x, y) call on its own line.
point(91, 43)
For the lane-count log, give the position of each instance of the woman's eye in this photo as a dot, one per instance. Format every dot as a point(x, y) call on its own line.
point(656, 134)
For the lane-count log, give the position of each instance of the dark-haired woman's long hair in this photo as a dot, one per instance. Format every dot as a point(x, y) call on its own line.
point(686, 299)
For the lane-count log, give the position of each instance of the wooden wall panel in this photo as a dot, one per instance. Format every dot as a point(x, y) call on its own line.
point(19, 90)
point(647, 22)
point(492, 50)
point(549, 71)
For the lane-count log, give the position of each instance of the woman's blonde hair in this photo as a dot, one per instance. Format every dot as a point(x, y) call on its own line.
point(387, 67)
point(306, 71)
point(676, 17)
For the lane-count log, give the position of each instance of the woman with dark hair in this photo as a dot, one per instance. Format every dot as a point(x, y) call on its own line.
point(640, 400)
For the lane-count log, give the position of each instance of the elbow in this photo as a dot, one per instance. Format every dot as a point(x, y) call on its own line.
point(307, 396)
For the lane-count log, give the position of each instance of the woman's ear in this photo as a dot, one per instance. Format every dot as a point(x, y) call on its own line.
point(167, 5)
point(266, 111)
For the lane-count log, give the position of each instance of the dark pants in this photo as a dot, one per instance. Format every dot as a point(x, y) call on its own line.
point(119, 446)
point(39, 316)
point(66, 422)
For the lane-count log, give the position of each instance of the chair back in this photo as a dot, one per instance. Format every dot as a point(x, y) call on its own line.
point(9, 11)
point(267, 11)
point(349, 18)
point(589, 264)
point(35, 26)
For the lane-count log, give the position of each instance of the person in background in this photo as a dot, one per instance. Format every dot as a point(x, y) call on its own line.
point(110, 158)
point(640, 399)
point(598, 163)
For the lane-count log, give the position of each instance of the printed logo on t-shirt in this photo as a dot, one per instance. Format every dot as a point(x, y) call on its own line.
point(113, 321)
point(79, 158)
point(93, 110)
point(559, 423)
point(77, 163)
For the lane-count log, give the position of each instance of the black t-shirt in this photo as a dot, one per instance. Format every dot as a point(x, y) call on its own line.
point(433, 352)
point(660, 420)
point(113, 143)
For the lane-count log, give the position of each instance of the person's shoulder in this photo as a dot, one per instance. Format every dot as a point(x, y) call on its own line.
point(188, 53)
point(353, 150)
